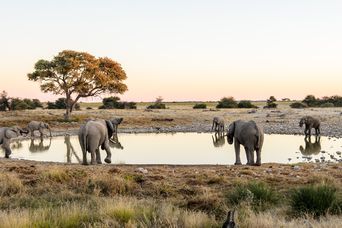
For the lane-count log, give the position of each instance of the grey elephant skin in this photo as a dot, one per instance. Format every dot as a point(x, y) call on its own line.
point(218, 125)
point(38, 126)
point(8, 133)
point(310, 122)
point(93, 135)
point(116, 122)
point(250, 136)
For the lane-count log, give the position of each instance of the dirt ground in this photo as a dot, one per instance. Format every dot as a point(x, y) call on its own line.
point(181, 117)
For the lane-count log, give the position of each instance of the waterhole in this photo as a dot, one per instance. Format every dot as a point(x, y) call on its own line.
point(181, 149)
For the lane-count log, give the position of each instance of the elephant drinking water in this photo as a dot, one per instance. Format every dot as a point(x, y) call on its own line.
point(248, 134)
point(6, 134)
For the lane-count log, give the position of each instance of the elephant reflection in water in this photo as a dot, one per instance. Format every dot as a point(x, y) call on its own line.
point(40, 147)
point(115, 143)
point(218, 140)
point(70, 150)
point(311, 148)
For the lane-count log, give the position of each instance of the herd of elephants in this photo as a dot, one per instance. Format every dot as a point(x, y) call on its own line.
point(99, 133)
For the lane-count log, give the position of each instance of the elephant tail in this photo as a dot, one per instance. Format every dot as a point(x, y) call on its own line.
point(260, 137)
point(83, 138)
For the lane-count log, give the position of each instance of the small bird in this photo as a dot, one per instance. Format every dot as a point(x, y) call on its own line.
point(229, 223)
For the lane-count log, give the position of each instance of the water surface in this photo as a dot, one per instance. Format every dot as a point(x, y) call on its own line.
point(181, 149)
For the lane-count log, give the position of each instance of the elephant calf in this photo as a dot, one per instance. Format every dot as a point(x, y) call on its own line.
point(218, 125)
point(6, 134)
point(310, 123)
point(248, 134)
point(93, 135)
point(38, 126)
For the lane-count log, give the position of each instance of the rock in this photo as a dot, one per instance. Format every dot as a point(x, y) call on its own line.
point(296, 167)
point(142, 170)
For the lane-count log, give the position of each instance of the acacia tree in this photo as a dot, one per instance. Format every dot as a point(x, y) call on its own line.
point(77, 75)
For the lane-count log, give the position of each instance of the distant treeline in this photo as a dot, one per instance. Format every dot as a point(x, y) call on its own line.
point(11, 104)
point(115, 103)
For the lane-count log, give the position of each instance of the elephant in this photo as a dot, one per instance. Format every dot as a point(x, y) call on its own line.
point(93, 135)
point(218, 140)
point(38, 126)
point(310, 123)
point(218, 125)
point(311, 148)
point(248, 134)
point(6, 134)
point(39, 147)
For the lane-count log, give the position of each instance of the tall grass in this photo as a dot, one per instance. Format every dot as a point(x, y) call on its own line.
point(257, 194)
point(316, 200)
point(109, 212)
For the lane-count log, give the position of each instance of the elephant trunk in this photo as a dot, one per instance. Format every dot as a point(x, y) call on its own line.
point(49, 131)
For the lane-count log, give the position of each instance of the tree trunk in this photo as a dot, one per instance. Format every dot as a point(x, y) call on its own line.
point(67, 114)
point(68, 107)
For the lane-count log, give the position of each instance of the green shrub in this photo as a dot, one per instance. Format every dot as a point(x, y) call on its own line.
point(316, 200)
point(259, 195)
point(246, 104)
point(157, 104)
point(227, 102)
point(270, 103)
point(61, 104)
point(298, 105)
point(327, 105)
point(114, 103)
point(200, 106)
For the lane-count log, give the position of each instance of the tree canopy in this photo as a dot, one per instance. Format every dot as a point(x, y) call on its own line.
point(77, 75)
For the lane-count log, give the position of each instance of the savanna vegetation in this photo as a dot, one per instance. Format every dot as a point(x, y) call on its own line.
point(332, 101)
point(49, 195)
point(158, 104)
point(79, 75)
point(13, 104)
point(115, 103)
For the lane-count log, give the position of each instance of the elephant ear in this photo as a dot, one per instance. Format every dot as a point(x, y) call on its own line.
point(10, 133)
point(231, 129)
point(230, 134)
point(110, 128)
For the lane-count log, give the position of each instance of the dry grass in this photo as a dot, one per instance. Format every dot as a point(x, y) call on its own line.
point(47, 194)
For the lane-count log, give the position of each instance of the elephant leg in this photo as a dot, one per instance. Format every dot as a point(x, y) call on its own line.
point(309, 132)
point(84, 162)
point(32, 133)
point(237, 153)
point(248, 156)
point(41, 132)
point(258, 160)
point(6, 147)
point(108, 159)
point(251, 156)
point(98, 156)
point(93, 157)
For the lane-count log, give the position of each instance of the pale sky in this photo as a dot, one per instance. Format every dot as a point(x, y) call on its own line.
point(182, 50)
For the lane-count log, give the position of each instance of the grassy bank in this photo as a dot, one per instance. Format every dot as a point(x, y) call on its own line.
point(50, 195)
